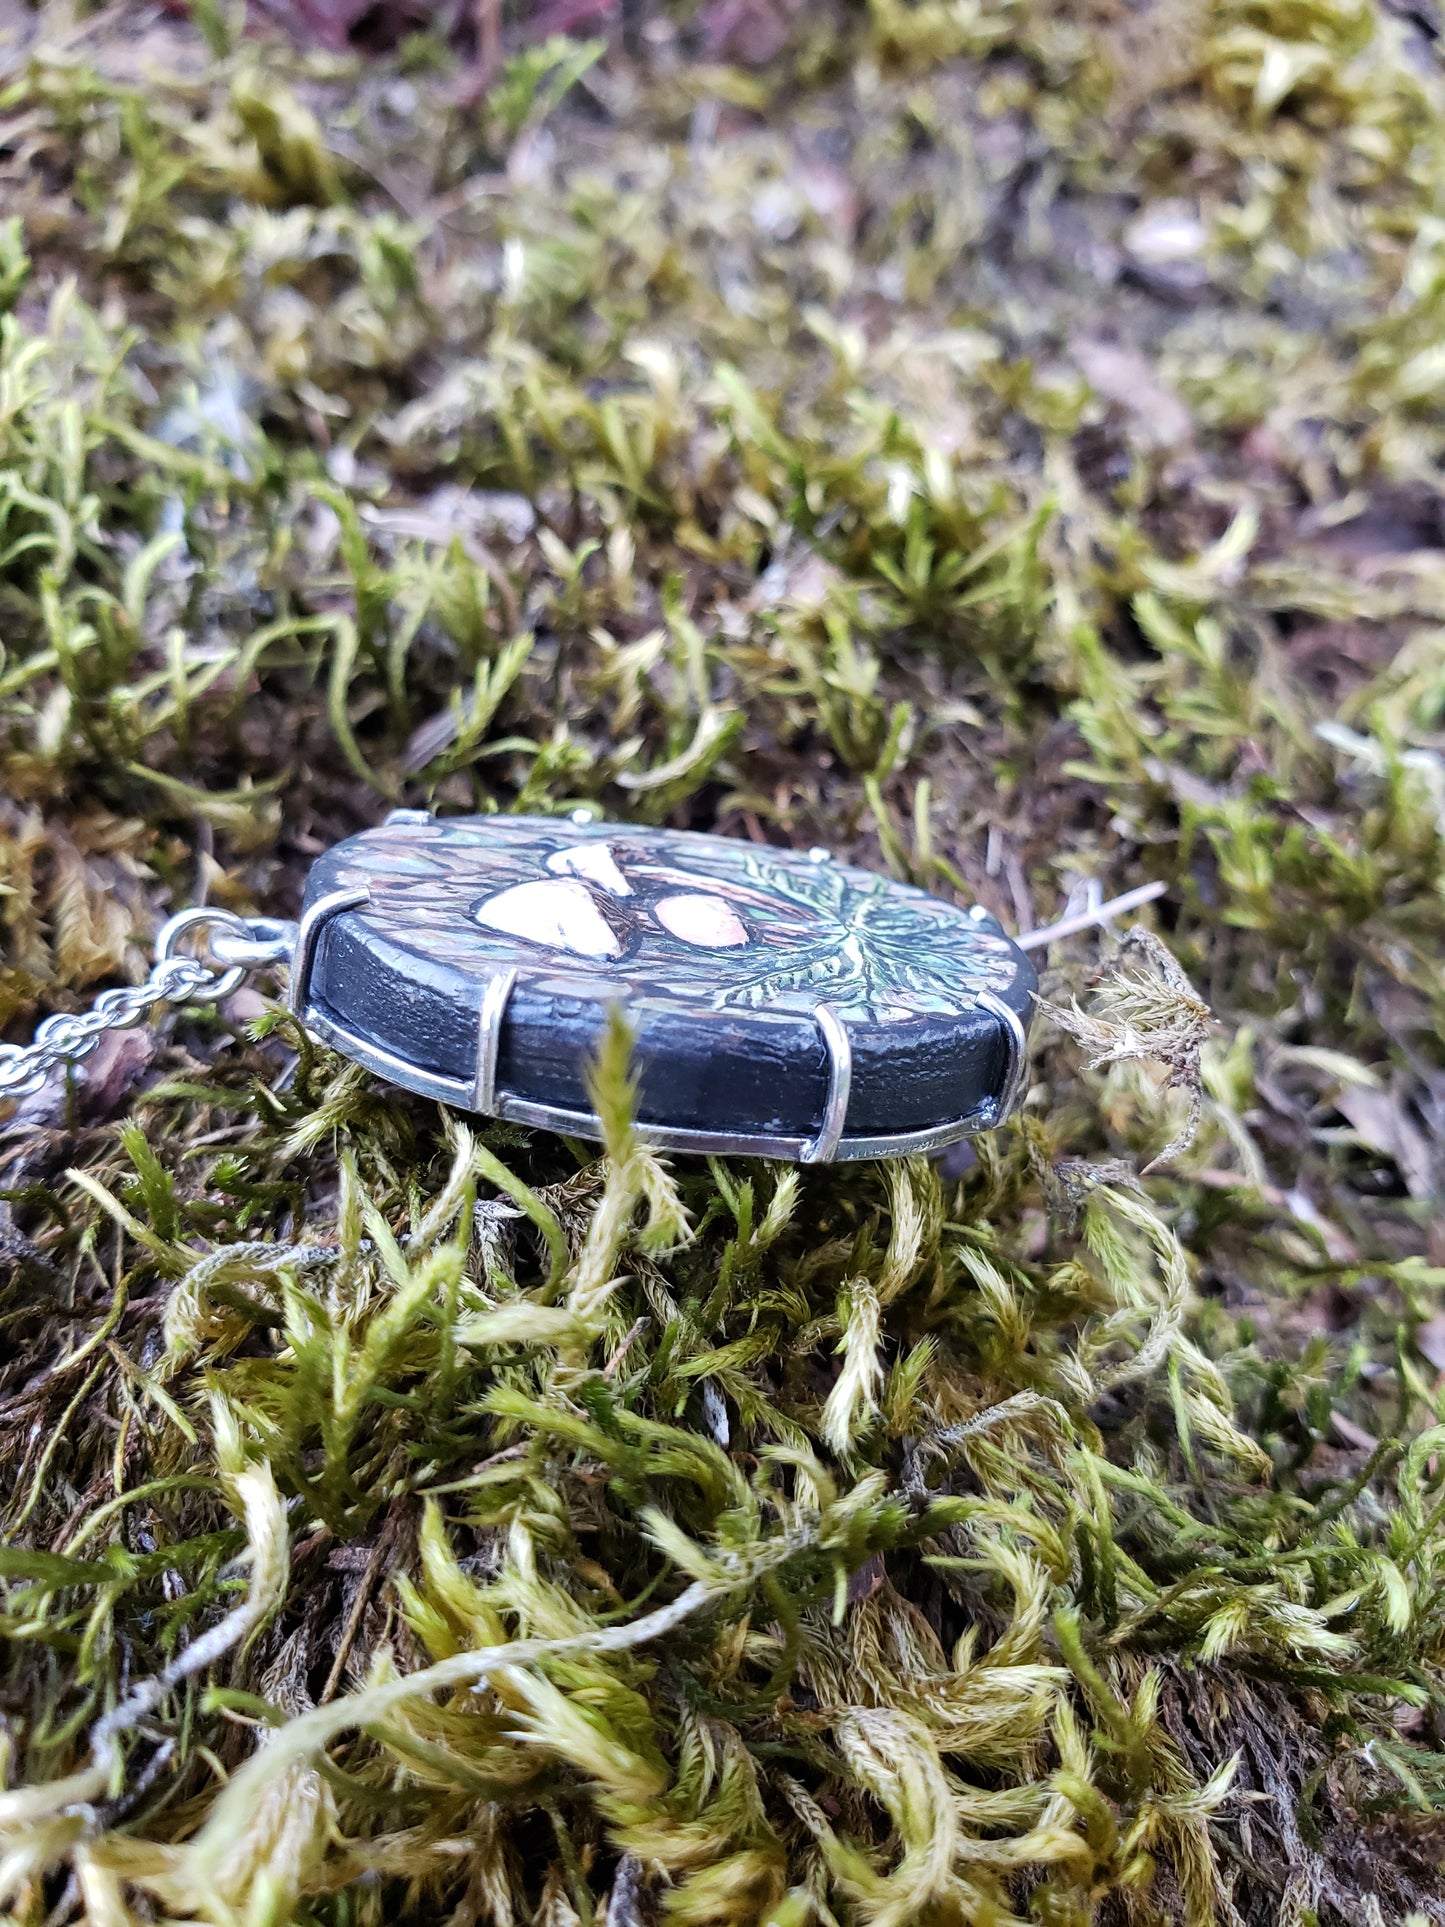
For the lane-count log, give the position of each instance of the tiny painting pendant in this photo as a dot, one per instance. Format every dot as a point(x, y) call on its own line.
point(783, 1004)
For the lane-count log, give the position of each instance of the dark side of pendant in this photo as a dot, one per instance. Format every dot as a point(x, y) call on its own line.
point(783, 1004)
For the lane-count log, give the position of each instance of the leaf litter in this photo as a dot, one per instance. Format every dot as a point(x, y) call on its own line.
point(999, 441)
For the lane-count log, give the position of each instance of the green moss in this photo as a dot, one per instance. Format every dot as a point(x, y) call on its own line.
point(999, 442)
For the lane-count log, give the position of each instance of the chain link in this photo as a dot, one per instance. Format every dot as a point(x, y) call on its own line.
point(66, 1038)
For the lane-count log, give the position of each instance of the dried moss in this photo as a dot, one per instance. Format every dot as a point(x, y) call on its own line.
point(999, 441)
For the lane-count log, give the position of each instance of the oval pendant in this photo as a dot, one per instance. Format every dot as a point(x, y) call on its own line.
point(783, 1004)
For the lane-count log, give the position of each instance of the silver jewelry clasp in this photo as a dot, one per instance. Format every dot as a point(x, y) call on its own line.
point(234, 944)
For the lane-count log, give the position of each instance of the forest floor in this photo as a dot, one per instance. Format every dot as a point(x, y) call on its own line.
point(998, 439)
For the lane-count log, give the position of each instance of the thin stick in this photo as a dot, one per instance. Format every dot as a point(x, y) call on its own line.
point(1089, 919)
point(489, 43)
point(354, 1617)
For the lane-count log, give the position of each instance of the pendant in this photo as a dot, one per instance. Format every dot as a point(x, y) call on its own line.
point(783, 1004)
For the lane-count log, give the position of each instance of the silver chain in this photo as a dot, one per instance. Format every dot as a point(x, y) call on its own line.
point(229, 946)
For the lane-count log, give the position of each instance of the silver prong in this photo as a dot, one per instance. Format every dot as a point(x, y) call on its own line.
point(1016, 1038)
point(489, 1041)
point(840, 1082)
point(308, 933)
point(408, 816)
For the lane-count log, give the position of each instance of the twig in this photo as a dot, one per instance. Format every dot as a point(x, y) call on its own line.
point(489, 43)
point(1089, 919)
point(385, 1539)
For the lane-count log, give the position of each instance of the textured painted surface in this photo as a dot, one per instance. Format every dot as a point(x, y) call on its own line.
point(602, 910)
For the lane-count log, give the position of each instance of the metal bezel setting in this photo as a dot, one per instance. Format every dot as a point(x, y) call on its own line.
point(480, 1094)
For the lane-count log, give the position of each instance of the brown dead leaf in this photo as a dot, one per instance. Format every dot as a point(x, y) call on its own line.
point(751, 32)
point(1123, 376)
point(1430, 1340)
point(1385, 1125)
